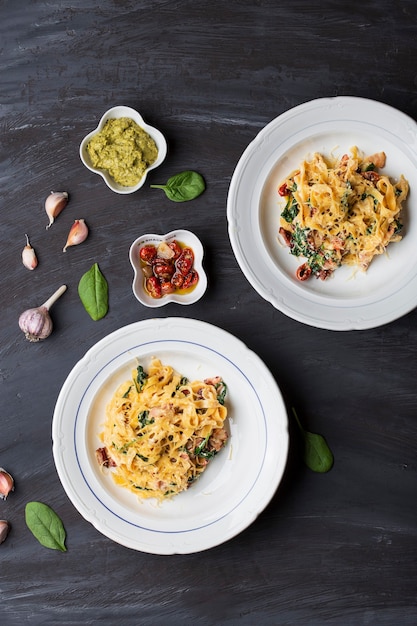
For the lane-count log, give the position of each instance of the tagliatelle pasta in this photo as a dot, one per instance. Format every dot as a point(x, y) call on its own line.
point(341, 212)
point(161, 430)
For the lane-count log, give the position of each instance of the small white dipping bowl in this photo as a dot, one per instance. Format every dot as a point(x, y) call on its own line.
point(157, 136)
point(184, 237)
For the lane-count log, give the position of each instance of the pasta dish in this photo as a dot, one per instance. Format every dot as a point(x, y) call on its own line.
point(340, 213)
point(161, 430)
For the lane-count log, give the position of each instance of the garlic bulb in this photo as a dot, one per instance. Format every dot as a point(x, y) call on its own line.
point(54, 204)
point(77, 234)
point(36, 323)
point(29, 258)
point(6, 483)
point(4, 530)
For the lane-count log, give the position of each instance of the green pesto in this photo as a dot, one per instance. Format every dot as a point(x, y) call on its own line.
point(124, 149)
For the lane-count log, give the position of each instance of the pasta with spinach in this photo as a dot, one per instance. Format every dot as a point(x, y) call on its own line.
point(162, 430)
point(340, 213)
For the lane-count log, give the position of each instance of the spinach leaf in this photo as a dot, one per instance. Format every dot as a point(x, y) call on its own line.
point(199, 449)
point(123, 449)
point(183, 186)
point(143, 419)
point(141, 377)
point(207, 454)
point(302, 247)
point(369, 167)
point(221, 389)
point(182, 383)
point(45, 525)
point(317, 454)
point(126, 393)
point(94, 293)
point(291, 210)
point(398, 227)
point(202, 451)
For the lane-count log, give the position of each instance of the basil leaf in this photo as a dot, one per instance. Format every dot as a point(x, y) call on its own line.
point(183, 186)
point(45, 525)
point(317, 454)
point(94, 293)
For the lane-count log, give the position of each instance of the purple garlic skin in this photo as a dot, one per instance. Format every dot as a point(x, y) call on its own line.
point(36, 323)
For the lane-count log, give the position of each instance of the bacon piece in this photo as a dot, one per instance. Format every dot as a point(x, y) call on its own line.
point(323, 274)
point(103, 458)
point(315, 239)
point(213, 381)
point(217, 439)
point(378, 159)
point(286, 235)
point(372, 176)
point(158, 412)
point(337, 243)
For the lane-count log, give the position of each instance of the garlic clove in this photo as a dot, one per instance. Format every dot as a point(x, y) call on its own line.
point(164, 251)
point(36, 323)
point(77, 234)
point(6, 483)
point(54, 204)
point(29, 258)
point(4, 530)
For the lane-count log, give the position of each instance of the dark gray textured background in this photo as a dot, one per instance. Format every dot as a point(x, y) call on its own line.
point(331, 549)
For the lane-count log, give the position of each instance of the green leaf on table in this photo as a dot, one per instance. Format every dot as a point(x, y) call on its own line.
point(94, 293)
point(183, 186)
point(317, 454)
point(45, 525)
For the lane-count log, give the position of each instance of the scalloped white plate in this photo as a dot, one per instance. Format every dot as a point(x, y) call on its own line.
point(348, 300)
point(115, 113)
point(138, 287)
point(236, 486)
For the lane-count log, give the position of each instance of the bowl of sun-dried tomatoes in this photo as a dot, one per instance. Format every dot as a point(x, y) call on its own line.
point(168, 268)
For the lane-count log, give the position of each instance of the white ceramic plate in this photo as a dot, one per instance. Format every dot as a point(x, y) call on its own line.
point(236, 486)
point(348, 300)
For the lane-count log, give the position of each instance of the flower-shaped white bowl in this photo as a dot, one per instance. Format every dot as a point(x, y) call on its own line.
point(157, 136)
point(184, 237)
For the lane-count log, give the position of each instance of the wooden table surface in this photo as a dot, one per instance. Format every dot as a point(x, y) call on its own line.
point(337, 548)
